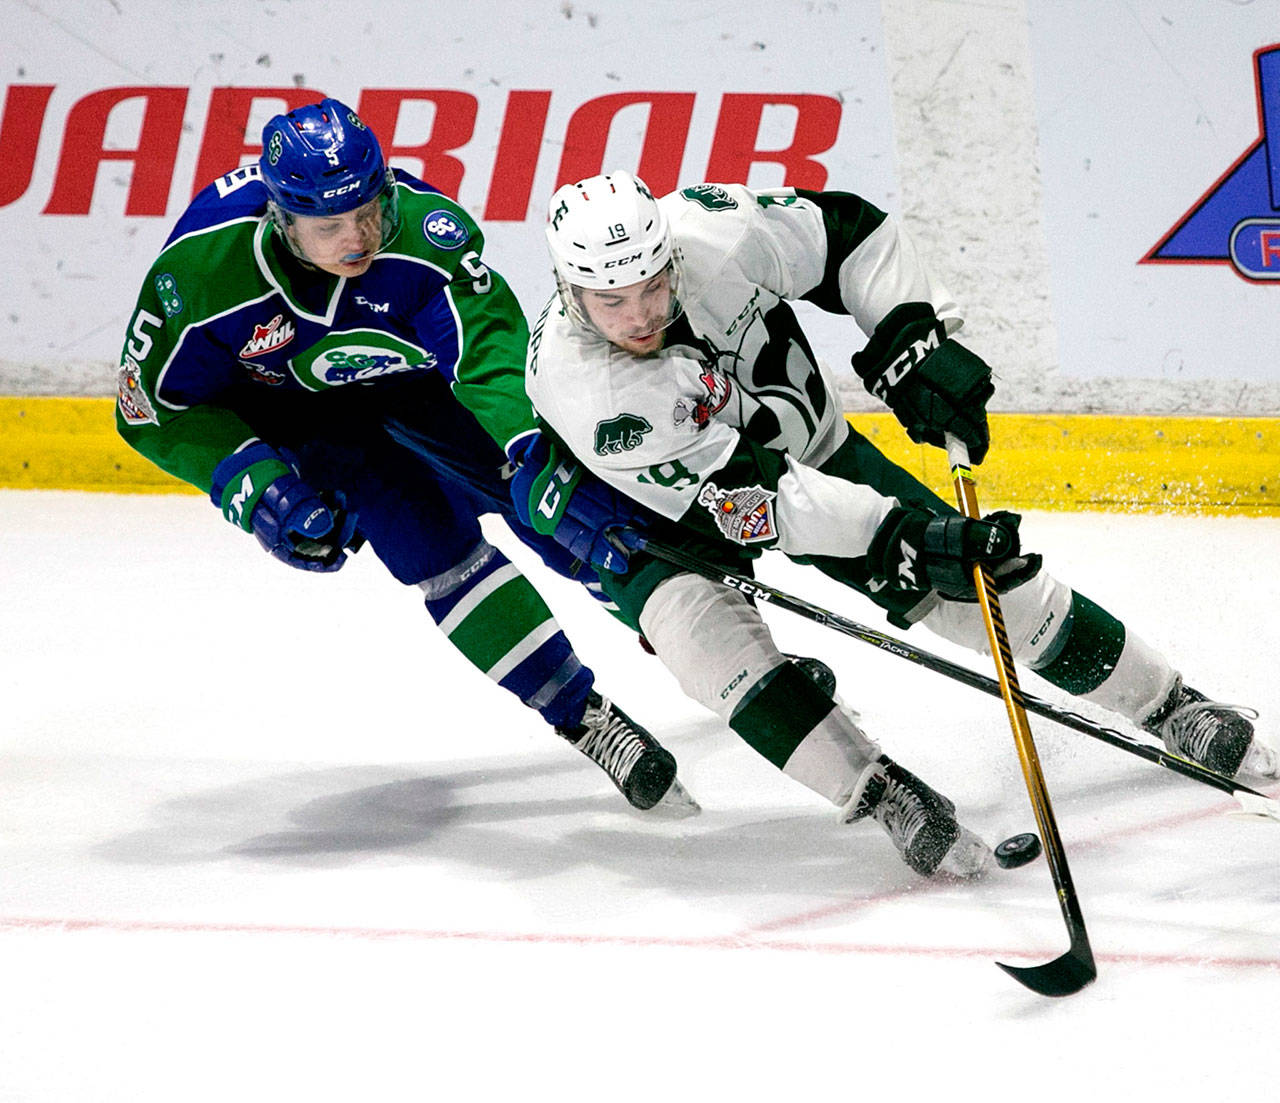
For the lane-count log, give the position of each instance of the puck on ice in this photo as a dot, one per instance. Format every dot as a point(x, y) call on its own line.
point(1017, 850)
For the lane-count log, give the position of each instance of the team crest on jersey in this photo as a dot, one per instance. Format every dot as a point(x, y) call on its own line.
point(358, 356)
point(274, 335)
point(744, 515)
point(711, 196)
point(701, 410)
point(135, 406)
point(337, 366)
point(444, 231)
point(620, 434)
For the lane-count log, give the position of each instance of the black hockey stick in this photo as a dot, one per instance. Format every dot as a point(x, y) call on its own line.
point(1067, 974)
point(1252, 802)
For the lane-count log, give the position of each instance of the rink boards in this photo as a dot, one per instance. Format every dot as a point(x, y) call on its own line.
point(1038, 461)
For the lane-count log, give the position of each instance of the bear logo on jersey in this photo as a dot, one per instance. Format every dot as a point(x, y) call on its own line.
point(711, 196)
point(620, 434)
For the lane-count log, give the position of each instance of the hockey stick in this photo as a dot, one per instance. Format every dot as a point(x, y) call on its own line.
point(1252, 802)
point(1070, 972)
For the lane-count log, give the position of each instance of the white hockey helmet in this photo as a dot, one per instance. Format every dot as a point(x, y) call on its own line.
point(608, 232)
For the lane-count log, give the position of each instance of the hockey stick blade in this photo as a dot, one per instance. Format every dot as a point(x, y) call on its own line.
point(1254, 806)
point(1063, 976)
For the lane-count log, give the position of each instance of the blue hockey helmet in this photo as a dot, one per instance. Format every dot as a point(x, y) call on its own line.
point(321, 160)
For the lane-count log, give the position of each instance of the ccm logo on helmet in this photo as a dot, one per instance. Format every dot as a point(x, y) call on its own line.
point(623, 260)
point(339, 191)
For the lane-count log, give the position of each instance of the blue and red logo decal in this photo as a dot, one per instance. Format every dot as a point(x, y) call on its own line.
point(1237, 221)
point(445, 230)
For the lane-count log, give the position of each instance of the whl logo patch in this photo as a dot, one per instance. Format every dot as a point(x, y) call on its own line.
point(1237, 221)
point(620, 434)
point(275, 334)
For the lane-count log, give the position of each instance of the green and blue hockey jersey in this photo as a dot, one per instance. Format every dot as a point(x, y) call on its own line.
point(226, 314)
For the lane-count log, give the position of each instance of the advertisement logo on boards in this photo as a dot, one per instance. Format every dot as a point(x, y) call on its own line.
point(1237, 221)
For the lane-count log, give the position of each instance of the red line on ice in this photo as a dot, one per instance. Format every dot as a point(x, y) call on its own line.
point(711, 942)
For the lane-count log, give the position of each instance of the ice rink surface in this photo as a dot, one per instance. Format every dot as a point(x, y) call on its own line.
point(264, 836)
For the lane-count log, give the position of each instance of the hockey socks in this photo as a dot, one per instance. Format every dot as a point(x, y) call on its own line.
point(1093, 656)
point(789, 720)
point(494, 616)
point(784, 707)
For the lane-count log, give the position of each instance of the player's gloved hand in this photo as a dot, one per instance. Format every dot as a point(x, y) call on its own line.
point(305, 528)
point(933, 384)
point(556, 496)
point(914, 549)
point(308, 529)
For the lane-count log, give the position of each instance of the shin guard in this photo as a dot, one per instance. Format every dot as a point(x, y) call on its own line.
point(719, 649)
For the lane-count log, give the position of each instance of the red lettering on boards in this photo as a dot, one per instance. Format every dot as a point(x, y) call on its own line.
point(440, 153)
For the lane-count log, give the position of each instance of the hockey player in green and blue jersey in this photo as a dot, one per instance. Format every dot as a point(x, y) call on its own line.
point(671, 365)
point(321, 348)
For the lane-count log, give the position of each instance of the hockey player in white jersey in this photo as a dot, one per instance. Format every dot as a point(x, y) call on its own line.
point(672, 367)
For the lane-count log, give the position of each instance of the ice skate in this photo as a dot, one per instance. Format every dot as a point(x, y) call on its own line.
point(642, 769)
point(920, 822)
point(1214, 735)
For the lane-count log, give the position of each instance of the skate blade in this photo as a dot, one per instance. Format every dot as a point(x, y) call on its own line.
point(969, 857)
point(1261, 763)
point(676, 804)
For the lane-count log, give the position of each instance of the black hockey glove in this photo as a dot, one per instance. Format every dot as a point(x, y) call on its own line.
point(914, 549)
point(933, 385)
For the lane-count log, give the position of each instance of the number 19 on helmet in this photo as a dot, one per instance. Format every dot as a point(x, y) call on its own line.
point(606, 233)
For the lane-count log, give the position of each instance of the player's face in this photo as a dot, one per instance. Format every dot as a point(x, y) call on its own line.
point(343, 244)
point(633, 318)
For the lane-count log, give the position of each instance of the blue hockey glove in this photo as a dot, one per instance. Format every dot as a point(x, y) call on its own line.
point(308, 529)
point(933, 384)
point(914, 549)
point(554, 495)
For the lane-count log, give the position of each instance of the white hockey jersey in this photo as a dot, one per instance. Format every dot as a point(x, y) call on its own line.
point(730, 420)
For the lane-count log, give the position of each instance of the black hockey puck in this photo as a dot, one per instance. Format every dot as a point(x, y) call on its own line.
point(1018, 850)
